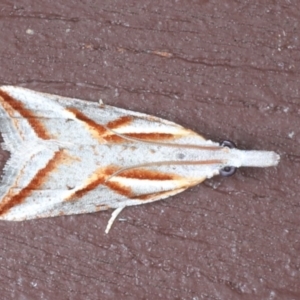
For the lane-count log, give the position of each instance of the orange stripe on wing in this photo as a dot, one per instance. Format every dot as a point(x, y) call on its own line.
point(102, 175)
point(99, 177)
point(119, 188)
point(120, 122)
point(89, 187)
point(144, 174)
point(100, 131)
point(95, 128)
point(96, 179)
point(152, 136)
point(11, 105)
point(37, 181)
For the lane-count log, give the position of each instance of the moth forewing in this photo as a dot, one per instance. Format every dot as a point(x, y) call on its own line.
point(70, 156)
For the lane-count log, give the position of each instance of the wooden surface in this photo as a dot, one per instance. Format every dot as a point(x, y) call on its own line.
point(227, 69)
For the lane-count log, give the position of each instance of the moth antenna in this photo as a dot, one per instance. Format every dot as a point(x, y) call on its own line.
point(166, 163)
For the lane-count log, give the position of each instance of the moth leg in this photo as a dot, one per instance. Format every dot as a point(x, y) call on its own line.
point(114, 215)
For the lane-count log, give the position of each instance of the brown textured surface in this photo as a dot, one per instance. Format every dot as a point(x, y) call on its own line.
point(227, 69)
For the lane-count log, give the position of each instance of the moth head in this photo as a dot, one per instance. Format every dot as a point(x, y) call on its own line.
point(228, 170)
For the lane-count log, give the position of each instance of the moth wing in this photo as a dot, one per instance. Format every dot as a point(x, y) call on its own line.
point(43, 115)
point(64, 153)
point(23, 143)
point(51, 203)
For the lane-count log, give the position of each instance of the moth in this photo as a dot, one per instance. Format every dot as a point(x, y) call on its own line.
point(70, 156)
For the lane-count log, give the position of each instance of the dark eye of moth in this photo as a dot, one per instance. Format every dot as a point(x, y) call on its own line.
point(228, 144)
point(228, 170)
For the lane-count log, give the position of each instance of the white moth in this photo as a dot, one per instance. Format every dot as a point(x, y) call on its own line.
point(70, 156)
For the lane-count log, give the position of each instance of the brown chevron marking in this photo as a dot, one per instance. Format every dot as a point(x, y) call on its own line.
point(100, 176)
point(96, 179)
point(36, 182)
point(89, 187)
point(11, 105)
point(99, 129)
point(110, 170)
point(116, 139)
point(119, 188)
point(120, 122)
point(101, 132)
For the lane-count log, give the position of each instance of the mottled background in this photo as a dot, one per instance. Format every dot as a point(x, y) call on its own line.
point(227, 69)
